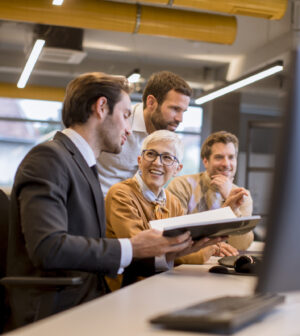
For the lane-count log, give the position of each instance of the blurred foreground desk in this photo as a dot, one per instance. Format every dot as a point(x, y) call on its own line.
point(126, 312)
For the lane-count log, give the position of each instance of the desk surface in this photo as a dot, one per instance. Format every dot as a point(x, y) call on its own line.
point(126, 312)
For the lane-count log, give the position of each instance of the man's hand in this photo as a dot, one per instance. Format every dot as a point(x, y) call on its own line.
point(196, 246)
point(235, 198)
point(151, 243)
point(222, 184)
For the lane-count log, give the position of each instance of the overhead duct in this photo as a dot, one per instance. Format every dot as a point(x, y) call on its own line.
point(267, 9)
point(63, 44)
point(130, 18)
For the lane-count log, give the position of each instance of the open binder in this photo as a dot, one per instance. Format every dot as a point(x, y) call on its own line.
point(212, 223)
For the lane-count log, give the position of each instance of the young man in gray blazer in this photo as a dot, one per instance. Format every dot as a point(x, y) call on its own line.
point(57, 218)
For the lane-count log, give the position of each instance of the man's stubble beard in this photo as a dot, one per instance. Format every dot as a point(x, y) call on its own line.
point(157, 121)
point(107, 140)
point(115, 151)
point(109, 147)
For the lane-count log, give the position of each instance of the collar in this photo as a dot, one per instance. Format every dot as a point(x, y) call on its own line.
point(149, 194)
point(206, 176)
point(138, 121)
point(82, 145)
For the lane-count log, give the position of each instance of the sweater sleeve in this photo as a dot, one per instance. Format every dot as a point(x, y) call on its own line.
point(123, 216)
point(242, 242)
point(125, 219)
point(180, 188)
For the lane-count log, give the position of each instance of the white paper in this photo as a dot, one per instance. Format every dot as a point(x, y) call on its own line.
point(197, 218)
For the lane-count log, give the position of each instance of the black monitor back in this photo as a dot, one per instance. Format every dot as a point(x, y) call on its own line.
point(280, 271)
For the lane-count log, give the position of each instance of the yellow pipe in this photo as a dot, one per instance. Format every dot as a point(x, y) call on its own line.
point(97, 14)
point(156, 2)
point(32, 92)
point(91, 14)
point(268, 9)
point(187, 25)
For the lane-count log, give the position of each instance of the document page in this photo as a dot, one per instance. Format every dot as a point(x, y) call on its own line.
point(197, 218)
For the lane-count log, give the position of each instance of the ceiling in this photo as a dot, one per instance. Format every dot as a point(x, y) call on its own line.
point(204, 65)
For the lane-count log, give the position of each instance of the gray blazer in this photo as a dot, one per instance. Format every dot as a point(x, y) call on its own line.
point(58, 227)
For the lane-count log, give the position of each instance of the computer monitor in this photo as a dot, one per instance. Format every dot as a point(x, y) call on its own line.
point(280, 271)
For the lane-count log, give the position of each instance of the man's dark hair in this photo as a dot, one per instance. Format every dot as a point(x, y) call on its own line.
point(221, 136)
point(83, 91)
point(160, 83)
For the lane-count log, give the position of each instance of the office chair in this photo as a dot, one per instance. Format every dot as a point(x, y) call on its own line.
point(53, 284)
point(4, 205)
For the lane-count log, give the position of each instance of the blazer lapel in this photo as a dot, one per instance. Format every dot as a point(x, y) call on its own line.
point(90, 177)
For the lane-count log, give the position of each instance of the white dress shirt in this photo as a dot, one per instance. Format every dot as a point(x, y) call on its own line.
point(114, 168)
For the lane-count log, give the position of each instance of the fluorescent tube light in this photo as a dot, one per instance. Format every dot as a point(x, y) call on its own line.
point(35, 53)
point(134, 77)
point(251, 78)
point(57, 2)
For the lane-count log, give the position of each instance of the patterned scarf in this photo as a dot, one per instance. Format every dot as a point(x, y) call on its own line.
point(160, 210)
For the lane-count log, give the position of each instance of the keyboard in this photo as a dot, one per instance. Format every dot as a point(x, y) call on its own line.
point(225, 314)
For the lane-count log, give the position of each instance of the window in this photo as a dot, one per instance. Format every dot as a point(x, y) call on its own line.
point(23, 124)
point(190, 131)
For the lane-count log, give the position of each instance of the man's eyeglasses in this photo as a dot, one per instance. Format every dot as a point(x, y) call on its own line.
point(150, 155)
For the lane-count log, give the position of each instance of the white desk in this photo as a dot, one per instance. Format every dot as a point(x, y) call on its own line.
point(126, 312)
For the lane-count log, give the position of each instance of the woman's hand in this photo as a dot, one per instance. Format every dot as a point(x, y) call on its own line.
point(194, 247)
point(223, 249)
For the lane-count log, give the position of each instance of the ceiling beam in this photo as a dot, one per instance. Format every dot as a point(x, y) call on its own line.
point(32, 92)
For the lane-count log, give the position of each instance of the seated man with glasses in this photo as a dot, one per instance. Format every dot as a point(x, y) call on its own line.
point(132, 203)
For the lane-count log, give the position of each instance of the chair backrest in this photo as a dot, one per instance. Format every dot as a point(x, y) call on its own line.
point(4, 220)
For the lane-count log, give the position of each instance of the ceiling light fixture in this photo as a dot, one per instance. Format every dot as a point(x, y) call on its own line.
point(246, 80)
point(134, 76)
point(34, 55)
point(57, 2)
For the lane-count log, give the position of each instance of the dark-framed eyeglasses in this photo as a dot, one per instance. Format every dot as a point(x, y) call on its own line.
point(150, 155)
